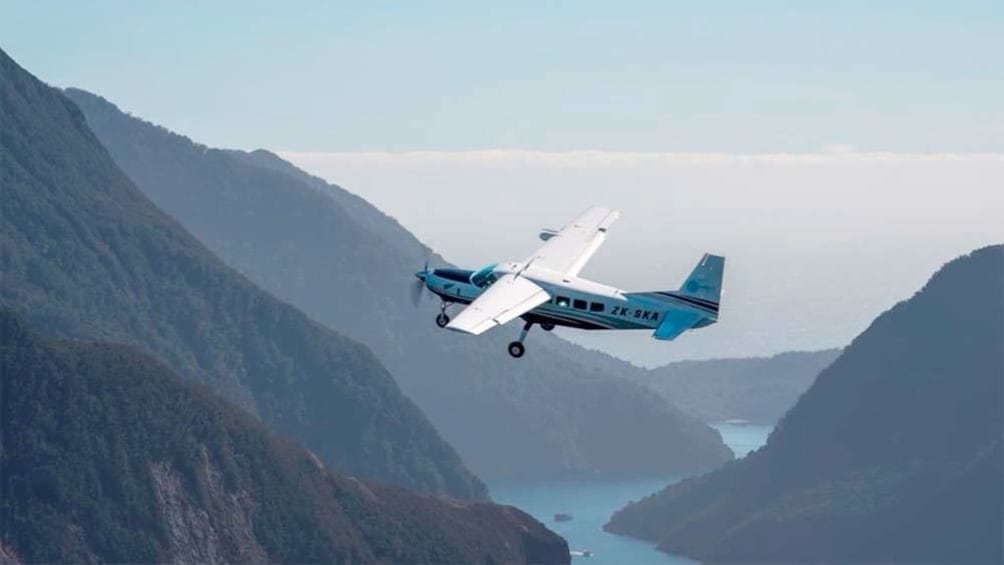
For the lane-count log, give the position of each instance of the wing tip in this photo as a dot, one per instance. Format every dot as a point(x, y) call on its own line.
point(459, 329)
point(476, 329)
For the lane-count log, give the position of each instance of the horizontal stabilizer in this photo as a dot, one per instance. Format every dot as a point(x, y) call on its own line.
point(675, 322)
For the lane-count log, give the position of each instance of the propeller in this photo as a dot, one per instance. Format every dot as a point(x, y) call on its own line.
point(419, 285)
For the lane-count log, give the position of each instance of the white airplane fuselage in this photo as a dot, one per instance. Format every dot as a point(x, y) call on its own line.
point(577, 302)
point(546, 290)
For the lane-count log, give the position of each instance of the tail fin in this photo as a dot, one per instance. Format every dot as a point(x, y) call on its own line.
point(705, 281)
point(695, 305)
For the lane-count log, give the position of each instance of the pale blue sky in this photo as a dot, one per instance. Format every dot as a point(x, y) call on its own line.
point(904, 76)
point(395, 100)
point(816, 245)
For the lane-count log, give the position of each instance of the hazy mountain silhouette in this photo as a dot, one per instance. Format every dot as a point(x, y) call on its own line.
point(559, 411)
point(894, 453)
point(85, 254)
point(111, 456)
point(757, 389)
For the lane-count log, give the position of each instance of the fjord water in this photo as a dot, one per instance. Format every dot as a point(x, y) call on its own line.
point(592, 502)
point(743, 438)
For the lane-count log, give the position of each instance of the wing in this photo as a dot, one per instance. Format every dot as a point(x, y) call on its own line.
point(509, 297)
point(568, 250)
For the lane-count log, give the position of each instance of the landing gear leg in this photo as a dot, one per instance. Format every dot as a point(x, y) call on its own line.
point(442, 319)
point(516, 348)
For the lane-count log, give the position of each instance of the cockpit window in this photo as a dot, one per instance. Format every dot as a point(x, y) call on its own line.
point(483, 278)
point(457, 275)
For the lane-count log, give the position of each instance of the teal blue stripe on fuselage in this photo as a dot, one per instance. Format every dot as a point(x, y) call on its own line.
point(670, 302)
point(606, 320)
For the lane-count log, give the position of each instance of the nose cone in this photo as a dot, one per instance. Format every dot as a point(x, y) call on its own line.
point(422, 275)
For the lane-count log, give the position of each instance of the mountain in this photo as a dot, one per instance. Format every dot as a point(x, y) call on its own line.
point(758, 389)
point(892, 455)
point(108, 455)
point(559, 411)
point(87, 255)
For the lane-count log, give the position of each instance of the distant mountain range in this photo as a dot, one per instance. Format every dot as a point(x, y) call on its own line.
point(892, 455)
point(109, 456)
point(86, 255)
point(560, 411)
point(758, 389)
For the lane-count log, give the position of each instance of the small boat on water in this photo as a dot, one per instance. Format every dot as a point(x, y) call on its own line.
point(562, 517)
point(580, 553)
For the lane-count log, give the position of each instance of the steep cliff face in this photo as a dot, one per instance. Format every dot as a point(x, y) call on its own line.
point(86, 255)
point(8, 556)
point(559, 411)
point(193, 534)
point(109, 456)
point(894, 453)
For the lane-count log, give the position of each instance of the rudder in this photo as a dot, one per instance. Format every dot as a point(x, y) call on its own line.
point(705, 281)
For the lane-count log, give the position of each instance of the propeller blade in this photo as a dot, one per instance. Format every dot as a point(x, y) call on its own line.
point(416, 292)
point(419, 285)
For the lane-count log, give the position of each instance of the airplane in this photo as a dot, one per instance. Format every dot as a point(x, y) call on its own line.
point(546, 290)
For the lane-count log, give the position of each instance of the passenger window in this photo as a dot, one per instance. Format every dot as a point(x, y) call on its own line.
point(562, 301)
point(580, 304)
point(596, 307)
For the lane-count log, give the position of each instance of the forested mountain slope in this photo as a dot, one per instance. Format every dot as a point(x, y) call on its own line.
point(756, 389)
point(893, 455)
point(109, 456)
point(85, 254)
point(559, 411)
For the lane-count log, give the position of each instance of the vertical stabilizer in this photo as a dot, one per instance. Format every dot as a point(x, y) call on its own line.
point(695, 305)
point(705, 282)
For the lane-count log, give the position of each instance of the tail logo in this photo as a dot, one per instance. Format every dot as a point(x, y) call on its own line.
point(694, 286)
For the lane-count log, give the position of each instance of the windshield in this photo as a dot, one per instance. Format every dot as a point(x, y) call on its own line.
point(484, 277)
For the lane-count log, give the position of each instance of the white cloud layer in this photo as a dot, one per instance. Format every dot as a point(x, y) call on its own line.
point(837, 154)
point(817, 244)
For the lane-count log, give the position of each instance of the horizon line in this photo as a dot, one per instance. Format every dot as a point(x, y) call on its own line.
point(825, 155)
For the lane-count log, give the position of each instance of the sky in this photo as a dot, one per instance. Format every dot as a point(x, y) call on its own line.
point(816, 245)
point(836, 152)
point(734, 76)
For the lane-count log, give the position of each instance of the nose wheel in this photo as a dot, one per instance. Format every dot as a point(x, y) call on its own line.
point(516, 348)
point(442, 319)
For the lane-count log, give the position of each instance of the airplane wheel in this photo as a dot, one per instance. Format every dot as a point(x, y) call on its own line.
point(442, 320)
point(516, 349)
point(547, 327)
